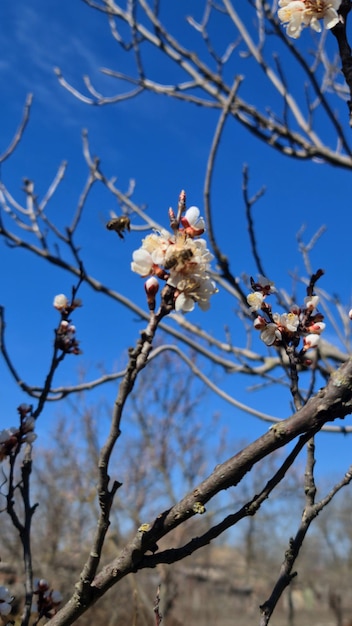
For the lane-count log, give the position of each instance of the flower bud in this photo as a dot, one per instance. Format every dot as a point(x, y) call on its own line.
point(311, 302)
point(60, 302)
point(310, 341)
point(259, 323)
point(317, 328)
point(151, 288)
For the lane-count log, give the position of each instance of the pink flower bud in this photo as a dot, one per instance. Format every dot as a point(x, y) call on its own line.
point(295, 309)
point(310, 341)
point(151, 286)
point(311, 302)
point(259, 323)
point(317, 328)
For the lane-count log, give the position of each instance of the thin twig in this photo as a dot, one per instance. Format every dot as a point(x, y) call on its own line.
point(19, 133)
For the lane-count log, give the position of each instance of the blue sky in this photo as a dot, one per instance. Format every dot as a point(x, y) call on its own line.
point(163, 145)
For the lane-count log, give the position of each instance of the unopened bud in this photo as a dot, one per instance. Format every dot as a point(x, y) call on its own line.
point(60, 302)
point(151, 288)
point(259, 323)
point(317, 328)
point(310, 341)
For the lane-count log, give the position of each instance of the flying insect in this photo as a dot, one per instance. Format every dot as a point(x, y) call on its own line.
point(119, 225)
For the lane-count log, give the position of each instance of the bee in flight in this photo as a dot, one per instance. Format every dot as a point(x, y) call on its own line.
point(119, 225)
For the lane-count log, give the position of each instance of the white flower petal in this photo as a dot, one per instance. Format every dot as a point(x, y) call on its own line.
point(142, 262)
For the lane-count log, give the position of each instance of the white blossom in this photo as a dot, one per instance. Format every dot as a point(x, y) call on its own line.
point(289, 321)
point(255, 300)
point(296, 14)
point(6, 434)
point(192, 216)
point(270, 334)
point(60, 302)
point(190, 289)
point(182, 260)
point(142, 262)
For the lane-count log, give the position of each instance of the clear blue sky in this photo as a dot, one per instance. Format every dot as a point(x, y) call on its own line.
point(163, 145)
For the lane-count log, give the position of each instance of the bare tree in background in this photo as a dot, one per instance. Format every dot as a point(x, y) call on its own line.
point(317, 372)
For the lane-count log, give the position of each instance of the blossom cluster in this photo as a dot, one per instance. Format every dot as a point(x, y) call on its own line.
point(297, 14)
point(181, 259)
point(46, 601)
point(65, 334)
point(286, 328)
point(12, 438)
point(5, 602)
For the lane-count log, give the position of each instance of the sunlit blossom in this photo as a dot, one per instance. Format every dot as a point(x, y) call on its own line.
point(142, 262)
point(297, 14)
point(289, 328)
point(289, 321)
point(181, 258)
point(270, 334)
point(60, 302)
point(255, 301)
point(193, 219)
point(192, 289)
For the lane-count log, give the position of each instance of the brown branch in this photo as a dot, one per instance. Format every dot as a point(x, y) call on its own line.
point(302, 144)
point(310, 512)
point(221, 258)
point(334, 401)
point(249, 202)
point(249, 509)
point(340, 32)
point(137, 361)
